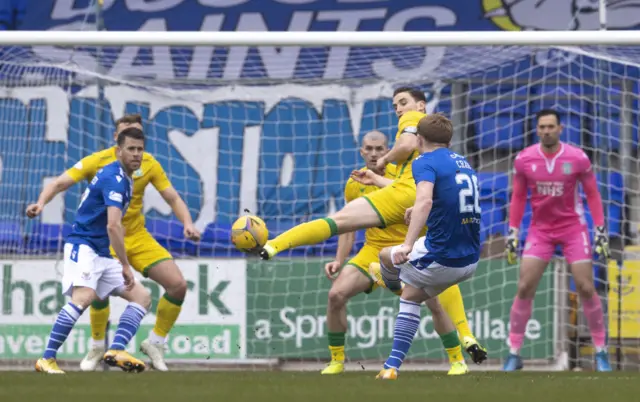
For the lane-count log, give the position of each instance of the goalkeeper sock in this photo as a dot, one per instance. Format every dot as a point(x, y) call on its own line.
point(166, 316)
point(61, 329)
point(451, 301)
point(336, 346)
point(595, 319)
point(407, 323)
point(305, 234)
point(451, 344)
point(518, 318)
point(99, 316)
point(128, 326)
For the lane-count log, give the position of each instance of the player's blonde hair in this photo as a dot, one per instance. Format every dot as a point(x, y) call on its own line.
point(436, 128)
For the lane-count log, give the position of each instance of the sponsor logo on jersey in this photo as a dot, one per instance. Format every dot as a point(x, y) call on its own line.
point(550, 188)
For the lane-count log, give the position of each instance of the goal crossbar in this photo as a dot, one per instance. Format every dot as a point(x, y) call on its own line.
point(377, 39)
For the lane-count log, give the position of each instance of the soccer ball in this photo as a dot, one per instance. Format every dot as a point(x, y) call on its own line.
point(249, 233)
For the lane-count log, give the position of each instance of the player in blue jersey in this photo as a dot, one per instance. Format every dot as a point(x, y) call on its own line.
point(90, 273)
point(447, 201)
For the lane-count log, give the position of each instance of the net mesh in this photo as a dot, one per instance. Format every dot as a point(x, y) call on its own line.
point(275, 132)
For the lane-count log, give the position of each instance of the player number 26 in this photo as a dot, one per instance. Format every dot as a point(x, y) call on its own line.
point(469, 189)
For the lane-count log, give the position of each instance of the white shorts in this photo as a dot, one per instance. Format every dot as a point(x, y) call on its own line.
point(433, 278)
point(83, 267)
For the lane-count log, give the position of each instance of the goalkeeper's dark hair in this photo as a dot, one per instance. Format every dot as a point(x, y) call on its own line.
point(436, 128)
point(130, 132)
point(415, 93)
point(129, 119)
point(548, 112)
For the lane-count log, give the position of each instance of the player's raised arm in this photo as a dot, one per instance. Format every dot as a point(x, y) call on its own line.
point(60, 184)
point(161, 182)
point(409, 105)
point(80, 171)
point(516, 208)
point(370, 178)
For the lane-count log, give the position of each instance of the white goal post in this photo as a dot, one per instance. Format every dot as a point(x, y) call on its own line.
point(361, 38)
point(270, 122)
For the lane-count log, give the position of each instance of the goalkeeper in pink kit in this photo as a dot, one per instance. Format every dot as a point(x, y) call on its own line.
point(551, 170)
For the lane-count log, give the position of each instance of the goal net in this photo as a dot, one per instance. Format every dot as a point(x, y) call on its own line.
point(275, 131)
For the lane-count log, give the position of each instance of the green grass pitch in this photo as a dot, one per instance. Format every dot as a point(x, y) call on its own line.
point(310, 386)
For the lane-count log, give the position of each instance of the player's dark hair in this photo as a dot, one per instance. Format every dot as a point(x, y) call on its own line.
point(436, 129)
point(130, 132)
point(548, 112)
point(415, 93)
point(129, 119)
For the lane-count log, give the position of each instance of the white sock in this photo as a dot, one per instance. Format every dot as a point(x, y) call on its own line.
point(155, 338)
point(97, 343)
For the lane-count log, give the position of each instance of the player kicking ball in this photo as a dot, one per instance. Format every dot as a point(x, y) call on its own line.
point(90, 273)
point(551, 170)
point(447, 201)
point(379, 209)
point(354, 277)
point(145, 254)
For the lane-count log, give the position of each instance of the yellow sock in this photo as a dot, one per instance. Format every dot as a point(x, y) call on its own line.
point(166, 315)
point(451, 301)
point(99, 316)
point(305, 234)
point(451, 344)
point(455, 354)
point(337, 353)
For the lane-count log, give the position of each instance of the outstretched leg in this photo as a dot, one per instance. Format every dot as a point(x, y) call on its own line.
point(356, 215)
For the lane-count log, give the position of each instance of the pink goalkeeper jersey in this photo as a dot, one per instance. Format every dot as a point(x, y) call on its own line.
point(553, 182)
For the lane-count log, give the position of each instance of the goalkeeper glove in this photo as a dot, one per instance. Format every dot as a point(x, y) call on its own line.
point(602, 242)
point(512, 246)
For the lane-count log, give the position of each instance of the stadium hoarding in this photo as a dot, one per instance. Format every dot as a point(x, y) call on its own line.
point(211, 325)
point(286, 314)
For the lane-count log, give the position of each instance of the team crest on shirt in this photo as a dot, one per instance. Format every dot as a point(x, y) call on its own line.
point(566, 168)
point(138, 173)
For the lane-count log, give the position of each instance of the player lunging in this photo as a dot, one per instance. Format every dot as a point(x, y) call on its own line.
point(551, 170)
point(143, 251)
point(354, 277)
point(447, 201)
point(382, 208)
point(90, 273)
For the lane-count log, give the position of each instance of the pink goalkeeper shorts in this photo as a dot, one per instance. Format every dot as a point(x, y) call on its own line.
point(574, 240)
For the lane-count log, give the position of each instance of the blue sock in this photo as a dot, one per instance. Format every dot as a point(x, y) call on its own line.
point(407, 323)
point(67, 318)
point(128, 326)
point(391, 277)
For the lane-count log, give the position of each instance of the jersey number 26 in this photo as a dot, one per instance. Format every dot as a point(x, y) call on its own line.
point(469, 189)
